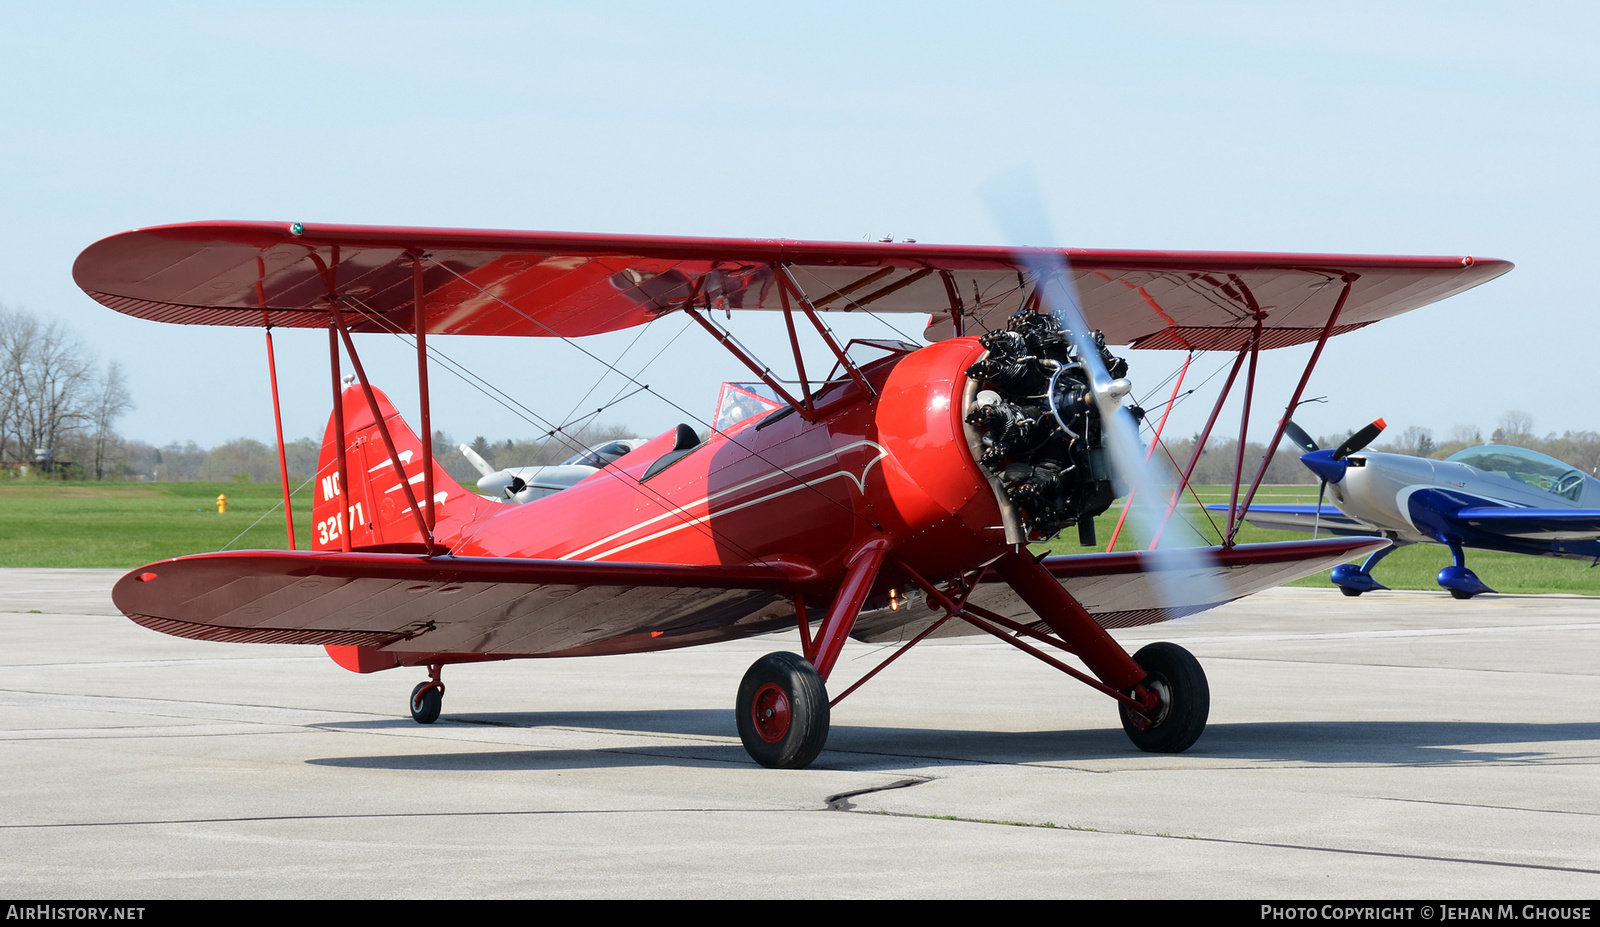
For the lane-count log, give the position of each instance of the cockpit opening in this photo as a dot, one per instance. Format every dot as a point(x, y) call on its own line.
point(1530, 468)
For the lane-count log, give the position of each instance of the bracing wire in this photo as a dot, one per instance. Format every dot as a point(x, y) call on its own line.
point(862, 307)
point(275, 506)
point(731, 439)
point(1167, 451)
point(601, 379)
point(463, 373)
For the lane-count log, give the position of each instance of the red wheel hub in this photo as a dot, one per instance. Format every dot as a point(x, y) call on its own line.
point(1153, 695)
point(770, 711)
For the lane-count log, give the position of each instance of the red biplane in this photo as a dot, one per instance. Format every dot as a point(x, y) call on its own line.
point(889, 501)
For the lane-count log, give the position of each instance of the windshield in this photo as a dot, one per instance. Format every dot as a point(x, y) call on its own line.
point(599, 455)
point(863, 351)
point(1528, 467)
point(740, 403)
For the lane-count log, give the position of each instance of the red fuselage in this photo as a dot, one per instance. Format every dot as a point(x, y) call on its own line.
point(896, 465)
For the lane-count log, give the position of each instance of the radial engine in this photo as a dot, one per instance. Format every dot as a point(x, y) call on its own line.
point(1039, 428)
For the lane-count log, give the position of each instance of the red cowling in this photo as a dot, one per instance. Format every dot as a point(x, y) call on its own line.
point(948, 516)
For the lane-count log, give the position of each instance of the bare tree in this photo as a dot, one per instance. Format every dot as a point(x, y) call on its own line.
point(111, 400)
point(51, 397)
point(1460, 438)
point(1516, 427)
point(1415, 440)
point(46, 377)
point(16, 339)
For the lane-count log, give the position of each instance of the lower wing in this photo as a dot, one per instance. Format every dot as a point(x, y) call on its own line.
point(407, 609)
point(1532, 524)
point(1120, 591)
point(405, 604)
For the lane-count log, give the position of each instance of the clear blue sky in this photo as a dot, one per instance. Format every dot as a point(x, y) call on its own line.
point(1449, 128)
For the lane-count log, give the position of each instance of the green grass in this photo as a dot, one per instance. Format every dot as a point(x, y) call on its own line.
point(1413, 567)
point(45, 524)
point(125, 525)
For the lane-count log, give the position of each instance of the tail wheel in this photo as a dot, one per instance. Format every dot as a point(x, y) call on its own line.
point(1183, 701)
point(782, 711)
point(426, 701)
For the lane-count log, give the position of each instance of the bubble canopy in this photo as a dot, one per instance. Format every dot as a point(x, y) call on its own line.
point(1531, 468)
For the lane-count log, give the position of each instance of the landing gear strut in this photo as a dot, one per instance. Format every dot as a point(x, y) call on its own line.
point(428, 697)
point(1461, 582)
point(1353, 580)
point(782, 707)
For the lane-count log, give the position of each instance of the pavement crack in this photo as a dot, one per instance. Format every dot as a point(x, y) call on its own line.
point(842, 802)
point(1308, 848)
point(372, 816)
point(1487, 807)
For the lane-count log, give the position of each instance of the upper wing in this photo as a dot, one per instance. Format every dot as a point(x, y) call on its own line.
point(1532, 524)
point(1121, 591)
point(543, 283)
point(464, 605)
point(1300, 518)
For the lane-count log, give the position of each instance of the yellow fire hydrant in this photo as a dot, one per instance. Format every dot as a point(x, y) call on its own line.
point(222, 504)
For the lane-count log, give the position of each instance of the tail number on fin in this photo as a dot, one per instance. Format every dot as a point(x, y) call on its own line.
point(330, 487)
point(329, 529)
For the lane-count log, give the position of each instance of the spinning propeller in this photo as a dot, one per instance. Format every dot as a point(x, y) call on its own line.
point(1330, 466)
point(1015, 202)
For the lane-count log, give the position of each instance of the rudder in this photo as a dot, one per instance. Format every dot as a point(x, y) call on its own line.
point(373, 510)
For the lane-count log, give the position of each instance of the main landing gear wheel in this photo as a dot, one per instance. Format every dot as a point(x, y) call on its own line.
point(1347, 591)
point(782, 711)
point(426, 701)
point(1185, 700)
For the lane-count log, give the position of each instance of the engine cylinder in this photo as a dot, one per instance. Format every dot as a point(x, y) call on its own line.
point(1040, 428)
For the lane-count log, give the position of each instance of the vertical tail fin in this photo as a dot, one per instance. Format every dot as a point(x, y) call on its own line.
point(373, 510)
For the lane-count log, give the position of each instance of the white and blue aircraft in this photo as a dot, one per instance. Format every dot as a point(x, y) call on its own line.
point(1493, 497)
point(525, 484)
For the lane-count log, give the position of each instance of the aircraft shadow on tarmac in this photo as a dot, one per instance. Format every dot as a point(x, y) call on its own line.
point(1400, 743)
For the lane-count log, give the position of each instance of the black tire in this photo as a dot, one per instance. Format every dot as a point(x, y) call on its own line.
point(1350, 592)
point(782, 711)
point(1186, 700)
point(1458, 594)
point(425, 709)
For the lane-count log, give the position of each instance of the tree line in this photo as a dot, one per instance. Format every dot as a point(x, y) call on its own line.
point(1581, 449)
point(58, 406)
point(246, 460)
